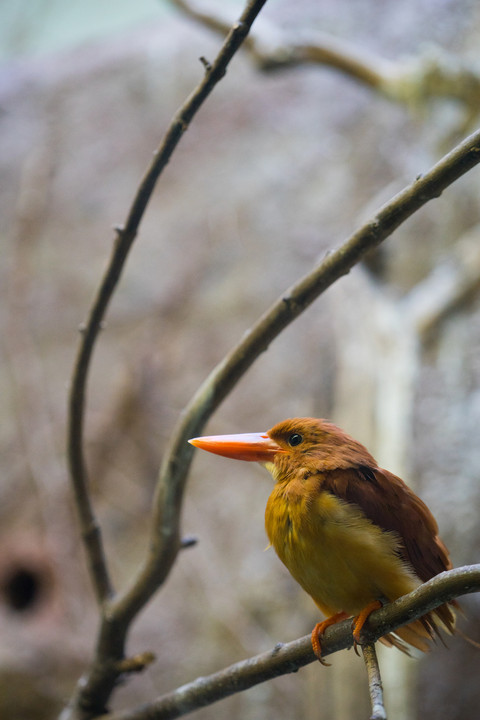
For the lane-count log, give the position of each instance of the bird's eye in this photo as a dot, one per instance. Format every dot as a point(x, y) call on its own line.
point(295, 439)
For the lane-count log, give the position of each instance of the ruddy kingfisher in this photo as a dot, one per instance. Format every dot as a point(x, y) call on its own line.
point(352, 534)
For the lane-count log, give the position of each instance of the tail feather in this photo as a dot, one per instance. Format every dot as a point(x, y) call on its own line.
point(421, 632)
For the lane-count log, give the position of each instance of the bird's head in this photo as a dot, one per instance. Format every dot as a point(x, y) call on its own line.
point(288, 445)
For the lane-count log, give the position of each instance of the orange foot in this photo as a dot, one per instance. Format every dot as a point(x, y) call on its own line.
point(360, 620)
point(319, 630)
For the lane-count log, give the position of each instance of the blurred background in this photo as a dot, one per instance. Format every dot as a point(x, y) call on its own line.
point(277, 169)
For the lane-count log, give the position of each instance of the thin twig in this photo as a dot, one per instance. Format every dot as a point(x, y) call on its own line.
point(290, 657)
point(374, 681)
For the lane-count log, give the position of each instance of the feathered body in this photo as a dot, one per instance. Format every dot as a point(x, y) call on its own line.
point(349, 532)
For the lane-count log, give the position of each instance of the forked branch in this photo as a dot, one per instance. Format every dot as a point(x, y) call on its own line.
point(283, 659)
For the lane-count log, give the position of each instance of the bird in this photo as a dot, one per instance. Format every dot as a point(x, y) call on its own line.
point(353, 535)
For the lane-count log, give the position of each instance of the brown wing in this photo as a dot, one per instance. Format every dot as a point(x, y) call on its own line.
point(388, 502)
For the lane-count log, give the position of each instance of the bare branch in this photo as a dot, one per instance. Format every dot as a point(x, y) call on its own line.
point(287, 658)
point(125, 238)
point(374, 681)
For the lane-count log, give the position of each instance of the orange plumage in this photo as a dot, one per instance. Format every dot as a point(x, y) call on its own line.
point(351, 534)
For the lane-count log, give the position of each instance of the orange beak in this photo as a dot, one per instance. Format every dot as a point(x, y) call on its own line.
point(256, 447)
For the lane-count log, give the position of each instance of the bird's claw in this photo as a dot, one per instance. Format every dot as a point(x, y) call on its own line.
point(360, 620)
point(318, 632)
point(316, 644)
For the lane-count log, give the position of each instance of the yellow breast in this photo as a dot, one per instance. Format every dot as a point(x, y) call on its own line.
point(339, 557)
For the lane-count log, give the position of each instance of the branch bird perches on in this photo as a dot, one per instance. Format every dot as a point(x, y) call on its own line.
point(290, 657)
